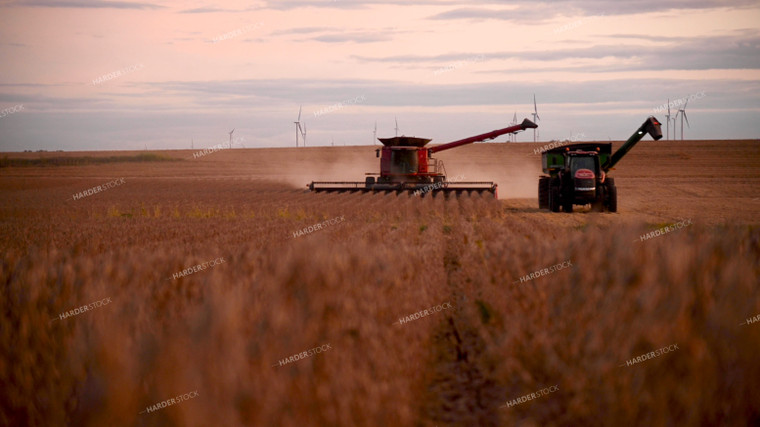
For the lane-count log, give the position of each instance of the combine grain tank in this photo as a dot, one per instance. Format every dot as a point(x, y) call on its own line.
point(406, 165)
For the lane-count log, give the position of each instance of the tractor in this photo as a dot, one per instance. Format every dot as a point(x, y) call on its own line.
point(577, 174)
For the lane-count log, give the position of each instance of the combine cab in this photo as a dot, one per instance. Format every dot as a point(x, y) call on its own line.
point(406, 165)
point(577, 173)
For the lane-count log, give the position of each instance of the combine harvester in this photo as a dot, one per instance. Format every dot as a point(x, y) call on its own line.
point(577, 173)
point(407, 166)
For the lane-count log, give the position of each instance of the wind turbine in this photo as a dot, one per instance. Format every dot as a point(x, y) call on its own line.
point(536, 118)
point(396, 126)
point(303, 134)
point(298, 124)
point(374, 135)
point(667, 121)
point(233, 130)
point(513, 136)
point(683, 116)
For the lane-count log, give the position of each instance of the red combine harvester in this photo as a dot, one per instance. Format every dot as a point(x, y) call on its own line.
point(407, 166)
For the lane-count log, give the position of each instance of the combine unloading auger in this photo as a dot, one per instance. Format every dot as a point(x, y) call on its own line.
point(406, 165)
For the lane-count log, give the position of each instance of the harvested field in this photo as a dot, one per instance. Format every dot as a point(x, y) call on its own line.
point(225, 331)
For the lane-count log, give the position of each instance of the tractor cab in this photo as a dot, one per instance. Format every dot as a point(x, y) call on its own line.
point(584, 168)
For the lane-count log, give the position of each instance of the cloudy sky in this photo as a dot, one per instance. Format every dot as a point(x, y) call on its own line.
point(124, 75)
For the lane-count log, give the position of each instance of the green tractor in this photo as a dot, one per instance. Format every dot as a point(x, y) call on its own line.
point(577, 173)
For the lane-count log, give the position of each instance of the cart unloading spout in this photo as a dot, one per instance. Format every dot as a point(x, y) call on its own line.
point(526, 124)
point(650, 126)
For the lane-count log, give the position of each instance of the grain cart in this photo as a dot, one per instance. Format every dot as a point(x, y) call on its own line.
point(406, 165)
point(577, 173)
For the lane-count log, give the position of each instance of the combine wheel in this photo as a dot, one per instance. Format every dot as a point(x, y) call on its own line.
point(369, 181)
point(543, 192)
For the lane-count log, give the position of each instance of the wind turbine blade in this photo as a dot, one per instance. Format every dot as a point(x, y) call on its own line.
point(535, 108)
point(299, 112)
point(684, 105)
point(687, 119)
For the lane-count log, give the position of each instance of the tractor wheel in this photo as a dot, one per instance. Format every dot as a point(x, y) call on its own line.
point(598, 204)
point(554, 199)
point(568, 196)
point(612, 194)
point(543, 192)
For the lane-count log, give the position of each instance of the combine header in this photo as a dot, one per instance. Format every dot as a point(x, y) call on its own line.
point(407, 166)
point(577, 173)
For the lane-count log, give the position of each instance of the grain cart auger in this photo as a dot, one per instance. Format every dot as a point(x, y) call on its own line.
point(406, 165)
point(577, 173)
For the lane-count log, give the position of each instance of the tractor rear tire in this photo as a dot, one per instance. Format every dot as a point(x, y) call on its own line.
point(612, 194)
point(543, 192)
point(554, 198)
point(598, 204)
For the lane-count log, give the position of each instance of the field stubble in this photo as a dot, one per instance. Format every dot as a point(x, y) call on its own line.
point(221, 330)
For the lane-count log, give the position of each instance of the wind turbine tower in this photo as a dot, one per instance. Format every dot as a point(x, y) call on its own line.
point(513, 136)
point(396, 126)
point(667, 123)
point(536, 118)
point(298, 124)
point(233, 130)
point(683, 116)
point(374, 134)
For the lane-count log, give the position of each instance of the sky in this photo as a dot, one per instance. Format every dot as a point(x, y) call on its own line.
point(133, 75)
